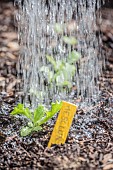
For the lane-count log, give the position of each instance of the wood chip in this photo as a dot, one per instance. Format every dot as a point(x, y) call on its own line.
point(108, 167)
point(13, 46)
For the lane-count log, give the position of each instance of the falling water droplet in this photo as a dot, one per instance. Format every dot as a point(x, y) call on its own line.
point(38, 38)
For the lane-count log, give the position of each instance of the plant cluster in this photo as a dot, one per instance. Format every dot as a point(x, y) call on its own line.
point(37, 118)
point(61, 72)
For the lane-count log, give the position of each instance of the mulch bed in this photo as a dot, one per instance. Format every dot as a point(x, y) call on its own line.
point(89, 145)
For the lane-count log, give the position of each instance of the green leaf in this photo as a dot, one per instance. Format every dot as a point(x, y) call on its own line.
point(73, 57)
point(70, 70)
point(50, 76)
point(58, 28)
point(59, 65)
point(30, 124)
point(39, 113)
point(59, 77)
point(37, 128)
point(70, 40)
point(51, 60)
point(55, 107)
point(19, 109)
point(25, 131)
point(67, 83)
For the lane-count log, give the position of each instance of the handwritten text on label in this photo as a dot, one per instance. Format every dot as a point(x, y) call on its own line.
point(63, 124)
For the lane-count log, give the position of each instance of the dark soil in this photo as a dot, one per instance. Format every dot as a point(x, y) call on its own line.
point(89, 145)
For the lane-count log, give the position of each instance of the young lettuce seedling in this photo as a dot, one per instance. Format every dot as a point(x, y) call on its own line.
point(37, 118)
point(61, 70)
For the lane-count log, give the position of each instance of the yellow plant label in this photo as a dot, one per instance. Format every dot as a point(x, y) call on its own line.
point(63, 124)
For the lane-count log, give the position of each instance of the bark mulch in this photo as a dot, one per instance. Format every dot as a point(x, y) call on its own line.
point(89, 145)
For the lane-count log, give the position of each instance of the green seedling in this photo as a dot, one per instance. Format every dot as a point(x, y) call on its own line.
point(37, 118)
point(61, 72)
point(70, 40)
point(59, 28)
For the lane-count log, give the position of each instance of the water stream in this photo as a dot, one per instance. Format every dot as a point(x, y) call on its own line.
point(42, 25)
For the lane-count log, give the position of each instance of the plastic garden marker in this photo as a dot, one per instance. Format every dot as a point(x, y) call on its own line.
point(63, 124)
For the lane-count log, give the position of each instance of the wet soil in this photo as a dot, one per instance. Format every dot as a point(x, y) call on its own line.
point(89, 145)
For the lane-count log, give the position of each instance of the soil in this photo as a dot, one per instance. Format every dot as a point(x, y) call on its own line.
point(89, 145)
